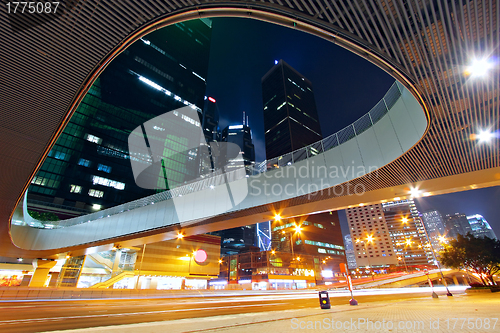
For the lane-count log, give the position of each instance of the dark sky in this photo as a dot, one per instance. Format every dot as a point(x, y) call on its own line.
point(243, 50)
point(484, 202)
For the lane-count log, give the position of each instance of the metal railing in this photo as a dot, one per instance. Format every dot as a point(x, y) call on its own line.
point(359, 126)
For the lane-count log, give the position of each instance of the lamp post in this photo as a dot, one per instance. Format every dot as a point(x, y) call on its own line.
point(369, 239)
point(448, 293)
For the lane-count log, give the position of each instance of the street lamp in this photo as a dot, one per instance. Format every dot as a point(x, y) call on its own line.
point(369, 239)
point(448, 293)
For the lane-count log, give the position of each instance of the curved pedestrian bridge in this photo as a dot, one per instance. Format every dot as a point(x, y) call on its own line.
point(386, 132)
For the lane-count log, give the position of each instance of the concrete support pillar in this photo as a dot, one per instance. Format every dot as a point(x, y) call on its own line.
point(455, 280)
point(41, 272)
point(116, 262)
point(464, 279)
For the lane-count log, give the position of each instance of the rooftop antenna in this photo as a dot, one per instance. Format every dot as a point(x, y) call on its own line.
point(243, 118)
point(247, 121)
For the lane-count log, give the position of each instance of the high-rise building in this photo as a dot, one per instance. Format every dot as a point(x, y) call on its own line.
point(434, 224)
point(370, 235)
point(290, 116)
point(316, 234)
point(210, 120)
point(241, 135)
point(89, 166)
point(480, 227)
point(264, 236)
point(349, 252)
point(457, 224)
point(388, 234)
point(407, 232)
point(235, 240)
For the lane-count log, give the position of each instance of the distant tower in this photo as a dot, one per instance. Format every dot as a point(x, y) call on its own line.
point(242, 136)
point(349, 252)
point(290, 116)
point(480, 227)
point(434, 225)
point(210, 120)
point(457, 224)
point(388, 234)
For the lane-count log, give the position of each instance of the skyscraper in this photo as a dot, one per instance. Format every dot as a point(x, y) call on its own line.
point(241, 135)
point(89, 166)
point(210, 120)
point(290, 116)
point(386, 234)
point(407, 232)
point(457, 224)
point(235, 239)
point(434, 224)
point(349, 252)
point(480, 227)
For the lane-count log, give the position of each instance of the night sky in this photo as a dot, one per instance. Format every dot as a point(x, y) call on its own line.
point(242, 52)
point(345, 87)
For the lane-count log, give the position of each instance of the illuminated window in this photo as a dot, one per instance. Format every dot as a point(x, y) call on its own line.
point(93, 138)
point(84, 162)
point(39, 181)
point(75, 189)
point(108, 182)
point(96, 193)
point(105, 168)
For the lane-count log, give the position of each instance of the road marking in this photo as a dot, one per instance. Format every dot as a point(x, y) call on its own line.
point(16, 321)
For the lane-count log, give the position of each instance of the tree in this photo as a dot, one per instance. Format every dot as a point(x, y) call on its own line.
point(480, 255)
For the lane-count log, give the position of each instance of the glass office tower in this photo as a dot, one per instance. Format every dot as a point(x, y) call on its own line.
point(290, 116)
point(89, 167)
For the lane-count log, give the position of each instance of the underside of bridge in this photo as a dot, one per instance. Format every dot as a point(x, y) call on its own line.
point(48, 65)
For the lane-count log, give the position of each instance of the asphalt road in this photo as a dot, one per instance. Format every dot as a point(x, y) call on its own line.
point(40, 316)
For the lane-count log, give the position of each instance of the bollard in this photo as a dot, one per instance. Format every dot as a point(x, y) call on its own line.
point(324, 300)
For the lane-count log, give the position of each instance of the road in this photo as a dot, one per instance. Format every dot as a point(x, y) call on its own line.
point(39, 316)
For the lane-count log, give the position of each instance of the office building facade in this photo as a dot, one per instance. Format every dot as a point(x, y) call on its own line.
point(456, 224)
point(89, 166)
point(434, 224)
point(480, 227)
point(290, 116)
point(241, 135)
point(349, 252)
point(386, 234)
point(316, 235)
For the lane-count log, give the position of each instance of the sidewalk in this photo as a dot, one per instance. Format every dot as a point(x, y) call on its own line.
point(417, 315)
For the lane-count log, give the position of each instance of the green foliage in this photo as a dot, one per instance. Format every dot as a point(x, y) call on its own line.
point(44, 216)
point(480, 255)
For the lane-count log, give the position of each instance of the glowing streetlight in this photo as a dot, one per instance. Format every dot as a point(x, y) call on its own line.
point(369, 238)
point(408, 242)
point(479, 67)
point(220, 261)
point(273, 252)
point(442, 239)
point(277, 217)
point(298, 228)
point(404, 220)
point(484, 136)
point(180, 236)
point(415, 192)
